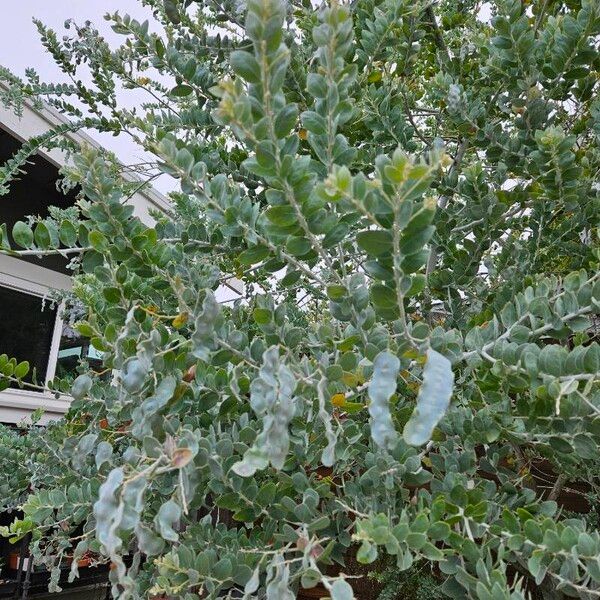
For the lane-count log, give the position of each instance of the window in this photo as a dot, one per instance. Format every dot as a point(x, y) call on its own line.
point(73, 349)
point(27, 330)
point(29, 333)
point(30, 327)
point(31, 195)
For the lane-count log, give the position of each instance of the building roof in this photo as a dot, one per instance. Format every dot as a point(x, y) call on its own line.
point(35, 121)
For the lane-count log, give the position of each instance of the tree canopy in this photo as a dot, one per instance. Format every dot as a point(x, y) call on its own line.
point(409, 193)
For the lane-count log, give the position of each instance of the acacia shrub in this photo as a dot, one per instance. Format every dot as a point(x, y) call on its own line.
point(409, 194)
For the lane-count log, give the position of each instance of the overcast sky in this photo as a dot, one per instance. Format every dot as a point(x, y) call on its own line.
point(20, 47)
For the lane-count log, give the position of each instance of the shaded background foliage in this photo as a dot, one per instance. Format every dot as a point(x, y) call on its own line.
point(410, 196)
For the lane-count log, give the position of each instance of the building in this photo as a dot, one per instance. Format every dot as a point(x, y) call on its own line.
point(29, 328)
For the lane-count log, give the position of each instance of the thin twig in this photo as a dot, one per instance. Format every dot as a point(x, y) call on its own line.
point(558, 486)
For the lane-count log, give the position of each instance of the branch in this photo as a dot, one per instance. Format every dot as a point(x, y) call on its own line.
point(437, 34)
point(413, 122)
point(66, 251)
point(557, 488)
point(61, 251)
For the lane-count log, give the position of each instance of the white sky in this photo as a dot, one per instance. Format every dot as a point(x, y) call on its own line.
point(20, 47)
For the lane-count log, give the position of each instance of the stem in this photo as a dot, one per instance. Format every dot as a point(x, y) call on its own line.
point(61, 251)
point(398, 270)
point(437, 34)
point(558, 486)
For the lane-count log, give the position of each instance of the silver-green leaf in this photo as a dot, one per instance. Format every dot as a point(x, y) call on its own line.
point(381, 388)
point(432, 401)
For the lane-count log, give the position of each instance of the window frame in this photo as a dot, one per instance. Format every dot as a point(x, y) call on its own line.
point(17, 404)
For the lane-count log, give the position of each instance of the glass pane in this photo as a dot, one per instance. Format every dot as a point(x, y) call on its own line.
point(31, 194)
point(72, 350)
point(26, 330)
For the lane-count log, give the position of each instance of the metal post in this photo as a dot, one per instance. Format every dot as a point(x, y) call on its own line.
point(27, 579)
point(24, 546)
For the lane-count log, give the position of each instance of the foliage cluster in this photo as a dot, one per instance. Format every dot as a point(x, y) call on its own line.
point(410, 195)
